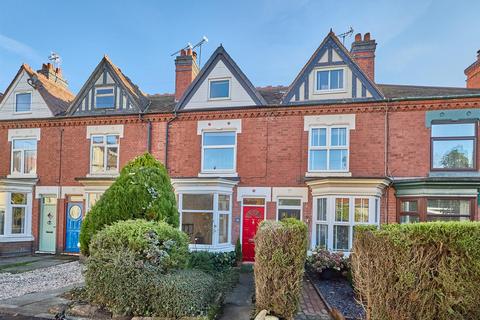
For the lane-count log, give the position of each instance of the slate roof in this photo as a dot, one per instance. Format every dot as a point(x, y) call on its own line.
point(161, 103)
point(56, 96)
point(394, 91)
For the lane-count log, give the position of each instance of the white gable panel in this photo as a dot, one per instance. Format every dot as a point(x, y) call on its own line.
point(239, 97)
point(39, 108)
point(336, 57)
point(324, 58)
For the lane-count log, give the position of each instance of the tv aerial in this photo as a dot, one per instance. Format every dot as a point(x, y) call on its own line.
point(346, 34)
point(192, 47)
point(55, 58)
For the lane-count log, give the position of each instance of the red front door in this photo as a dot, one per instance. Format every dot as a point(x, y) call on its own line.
point(252, 216)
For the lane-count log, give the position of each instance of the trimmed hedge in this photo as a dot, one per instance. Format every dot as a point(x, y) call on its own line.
point(418, 271)
point(212, 262)
point(142, 191)
point(280, 254)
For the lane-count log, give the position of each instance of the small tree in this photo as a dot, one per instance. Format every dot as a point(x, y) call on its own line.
point(142, 191)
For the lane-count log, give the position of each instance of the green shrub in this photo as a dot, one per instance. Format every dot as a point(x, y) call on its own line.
point(125, 285)
point(142, 191)
point(156, 243)
point(211, 262)
point(280, 254)
point(418, 271)
point(238, 251)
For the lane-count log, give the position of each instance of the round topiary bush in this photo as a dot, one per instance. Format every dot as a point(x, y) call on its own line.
point(142, 191)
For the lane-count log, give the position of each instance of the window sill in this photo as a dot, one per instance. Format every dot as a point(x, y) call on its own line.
point(16, 238)
point(328, 174)
point(226, 247)
point(103, 175)
point(22, 112)
point(22, 176)
point(218, 174)
point(320, 92)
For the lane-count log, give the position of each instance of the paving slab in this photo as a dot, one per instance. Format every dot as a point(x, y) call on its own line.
point(238, 303)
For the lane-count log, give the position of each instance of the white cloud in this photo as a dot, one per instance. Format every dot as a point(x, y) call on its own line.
point(19, 48)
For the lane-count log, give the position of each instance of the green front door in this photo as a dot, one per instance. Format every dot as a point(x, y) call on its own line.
point(48, 224)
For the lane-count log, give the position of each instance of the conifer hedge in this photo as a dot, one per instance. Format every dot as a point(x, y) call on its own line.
point(280, 254)
point(418, 271)
point(142, 191)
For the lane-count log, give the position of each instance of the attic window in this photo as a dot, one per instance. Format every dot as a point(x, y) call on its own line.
point(104, 98)
point(219, 89)
point(23, 102)
point(330, 80)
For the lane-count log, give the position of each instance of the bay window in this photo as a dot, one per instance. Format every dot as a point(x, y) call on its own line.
point(328, 149)
point(24, 156)
point(219, 151)
point(335, 217)
point(453, 146)
point(104, 154)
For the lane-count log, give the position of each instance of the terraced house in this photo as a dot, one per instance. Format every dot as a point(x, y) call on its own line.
point(333, 148)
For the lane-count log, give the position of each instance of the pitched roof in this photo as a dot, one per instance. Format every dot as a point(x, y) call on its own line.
point(273, 95)
point(220, 54)
point(56, 96)
point(332, 39)
point(394, 91)
point(137, 96)
point(161, 103)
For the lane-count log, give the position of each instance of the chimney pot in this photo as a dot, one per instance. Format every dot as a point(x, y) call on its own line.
point(473, 74)
point(186, 69)
point(53, 74)
point(358, 37)
point(363, 52)
point(366, 36)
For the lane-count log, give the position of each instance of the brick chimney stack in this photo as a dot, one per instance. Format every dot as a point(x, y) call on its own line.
point(363, 52)
point(186, 69)
point(473, 74)
point(53, 74)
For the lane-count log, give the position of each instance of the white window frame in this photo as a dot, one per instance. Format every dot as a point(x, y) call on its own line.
point(8, 236)
point(105, 95)
point(329, 147)
point(88, 196)
point(15, 103)
point(373, 217)
point(105, 145)
point(22, 160)
point(221, 171)
point(329, 69)
point(220, 98)
point(300, 207)
point(216, 245)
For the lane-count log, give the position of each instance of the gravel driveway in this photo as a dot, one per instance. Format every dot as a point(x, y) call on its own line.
point(62, 275)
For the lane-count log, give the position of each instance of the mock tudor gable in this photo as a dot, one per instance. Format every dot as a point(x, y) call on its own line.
point(220, 84)
point(331, 75)
point(108, 91)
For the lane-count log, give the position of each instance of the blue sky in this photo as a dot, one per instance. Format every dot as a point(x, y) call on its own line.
point(422, 42)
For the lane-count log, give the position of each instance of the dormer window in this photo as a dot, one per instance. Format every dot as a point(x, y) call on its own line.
point(104, 98)
point(23, 102)
point(219, 89)
point(329, 80)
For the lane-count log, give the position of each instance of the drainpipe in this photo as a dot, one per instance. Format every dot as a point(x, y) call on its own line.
point(149, 127)
point(167, 137)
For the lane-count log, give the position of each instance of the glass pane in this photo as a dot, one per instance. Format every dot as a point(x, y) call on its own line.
point(338, 159)
point(2, 220)
point(223, 202)
point(322, 235)
point(218, 159)
point(376, 210)
point(322, 209)
point(319, 137)
point(112, 139)
point(226, 138)
point(453, 154)
point(197, 202)
point(318, 159)
point(340, 238)
point(339, 137)
point(361, 210)
point(26, 144)
point(105, 91)
point(342, 206)
point(290, 202)
point(223, 228)
point(18, 220)
point(97, 139)
point(409, 206)
point(17, 162)
point(23, 102)
point(406, 218)
point(30, 161)
point(19, 198)
point(322, 80)
point(92, 199)
point(97, 158)
point(105, 101)
point(447, 218)
point(448, 207)
point(336, 77)
point(112, 158)
point(253, 201)
point(288, 213)
point(453, 130)
point(198, 226)
point(219, 89)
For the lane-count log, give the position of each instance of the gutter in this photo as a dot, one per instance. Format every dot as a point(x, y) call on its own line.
point(167, 130)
